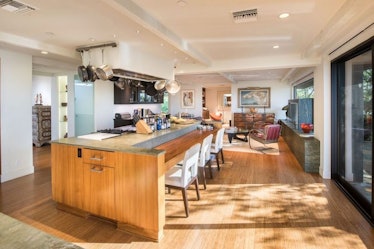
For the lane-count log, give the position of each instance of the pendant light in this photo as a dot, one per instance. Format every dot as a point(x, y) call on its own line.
point(172, 87)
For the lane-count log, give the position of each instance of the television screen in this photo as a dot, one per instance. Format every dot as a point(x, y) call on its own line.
point(292, 112)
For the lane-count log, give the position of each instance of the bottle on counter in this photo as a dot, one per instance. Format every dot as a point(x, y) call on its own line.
point(159, 123)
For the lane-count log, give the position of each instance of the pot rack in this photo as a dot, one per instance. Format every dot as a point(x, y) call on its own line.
point(171, 86)
point(81, 49)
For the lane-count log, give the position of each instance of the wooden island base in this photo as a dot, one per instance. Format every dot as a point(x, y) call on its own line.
point(126, 187)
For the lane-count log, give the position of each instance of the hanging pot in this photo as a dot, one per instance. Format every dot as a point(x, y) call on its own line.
point(104, 72)
point(160, 84)
point(121, 83)
point(114, 78)
point(151, 90)
point(91, 72)
point(82, 73)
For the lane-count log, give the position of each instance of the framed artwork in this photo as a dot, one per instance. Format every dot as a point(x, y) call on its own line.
point(254, 97)
point(188, 98)
point(227, 100)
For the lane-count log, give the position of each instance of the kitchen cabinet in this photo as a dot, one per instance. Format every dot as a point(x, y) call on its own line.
point(99, 197)
point(67, 175)
point(136, 94)
point(41, 125)
point(124, 187)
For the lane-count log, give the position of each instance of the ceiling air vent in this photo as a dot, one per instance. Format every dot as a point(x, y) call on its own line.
point(245, 16)
point(15, 7)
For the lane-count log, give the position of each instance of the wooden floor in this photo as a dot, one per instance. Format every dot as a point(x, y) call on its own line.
point(254, 201)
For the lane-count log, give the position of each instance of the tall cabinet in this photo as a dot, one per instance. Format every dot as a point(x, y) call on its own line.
point(41, 125)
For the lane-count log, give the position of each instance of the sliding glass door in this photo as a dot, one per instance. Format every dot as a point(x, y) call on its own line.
point(352, 126)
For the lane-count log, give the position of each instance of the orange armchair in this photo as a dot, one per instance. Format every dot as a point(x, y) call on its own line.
point(215, 117)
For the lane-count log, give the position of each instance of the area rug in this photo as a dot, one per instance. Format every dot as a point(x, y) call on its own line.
point(258, 148)
point(16, 234)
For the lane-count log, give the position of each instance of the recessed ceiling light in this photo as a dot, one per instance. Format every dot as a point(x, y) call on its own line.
point(92, 39)
point(284, 15)
point(138, 32)
point(182, 3)
point(43, 52)
point(50, 34)
point(276, 46)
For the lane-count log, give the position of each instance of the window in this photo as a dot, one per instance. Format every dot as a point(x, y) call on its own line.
point(304, 90)
point(165, 104)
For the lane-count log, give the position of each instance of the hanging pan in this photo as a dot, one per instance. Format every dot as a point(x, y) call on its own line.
point(82, 72)
point(104, 72)
point(91, 71)
point(160, 84)
point(150, 89)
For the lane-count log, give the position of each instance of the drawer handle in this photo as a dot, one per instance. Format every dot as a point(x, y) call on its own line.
point(97, 170)
point(96, 158)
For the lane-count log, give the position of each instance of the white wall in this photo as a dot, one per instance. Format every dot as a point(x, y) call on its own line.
point(175, 101)
point(279, 95)
point(41, 84)
point(16, 115)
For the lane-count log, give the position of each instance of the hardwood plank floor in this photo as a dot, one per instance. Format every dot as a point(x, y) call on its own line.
point(254, 201)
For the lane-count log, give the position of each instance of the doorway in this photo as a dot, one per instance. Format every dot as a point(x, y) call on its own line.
point(352, 126)
point(84, 107)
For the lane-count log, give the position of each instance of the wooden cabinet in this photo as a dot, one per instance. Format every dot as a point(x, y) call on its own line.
point(67, 175)
point(99, 198)
point(41, 125)
point(127, 188)
point(250, 121)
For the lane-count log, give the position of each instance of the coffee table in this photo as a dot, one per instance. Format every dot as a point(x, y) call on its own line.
point(233, 132)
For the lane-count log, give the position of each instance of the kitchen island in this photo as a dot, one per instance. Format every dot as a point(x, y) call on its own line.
point(121, 178)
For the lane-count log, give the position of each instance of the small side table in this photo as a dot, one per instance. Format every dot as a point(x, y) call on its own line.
point(233, 132)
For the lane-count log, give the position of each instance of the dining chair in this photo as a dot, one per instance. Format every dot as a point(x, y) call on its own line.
point(216, 147)
point(182, 177)
point(204, 158)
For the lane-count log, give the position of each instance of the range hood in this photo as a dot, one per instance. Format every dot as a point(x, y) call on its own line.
point(118, 72)
point(121, 73)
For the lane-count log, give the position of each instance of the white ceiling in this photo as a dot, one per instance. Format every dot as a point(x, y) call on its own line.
point(201, 38)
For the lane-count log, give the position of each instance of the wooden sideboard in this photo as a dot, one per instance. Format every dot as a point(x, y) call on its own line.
point(41, 124)
point(249, 120)
point(305, 147)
